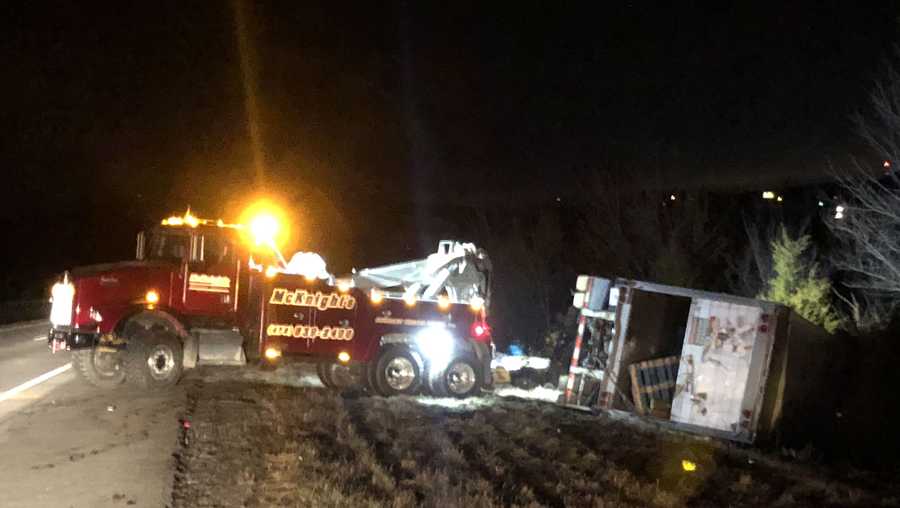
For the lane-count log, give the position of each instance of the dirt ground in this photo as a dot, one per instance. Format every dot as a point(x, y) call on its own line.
point(277, 439)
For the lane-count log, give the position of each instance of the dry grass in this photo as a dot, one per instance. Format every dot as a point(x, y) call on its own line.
point(260, 442)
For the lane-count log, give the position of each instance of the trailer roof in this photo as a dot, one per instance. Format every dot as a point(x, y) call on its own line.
point(653, 287)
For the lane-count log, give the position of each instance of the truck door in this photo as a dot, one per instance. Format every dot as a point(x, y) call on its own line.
point(211, 276)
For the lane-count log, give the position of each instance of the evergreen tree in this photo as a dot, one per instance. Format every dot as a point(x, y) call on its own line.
point(797, 284)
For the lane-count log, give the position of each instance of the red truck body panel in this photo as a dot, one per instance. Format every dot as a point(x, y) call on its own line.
point(312, 318)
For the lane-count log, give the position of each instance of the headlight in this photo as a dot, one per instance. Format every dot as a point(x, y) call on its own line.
point(61, 311)
point(436, 344)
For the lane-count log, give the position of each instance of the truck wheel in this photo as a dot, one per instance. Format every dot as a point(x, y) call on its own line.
point(102, 369)
point(461, 379)
point(336, 376)
point(154, 359)
point(397, 372)
point(322, 371)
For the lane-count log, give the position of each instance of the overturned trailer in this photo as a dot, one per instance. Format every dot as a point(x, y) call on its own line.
point(720, 365)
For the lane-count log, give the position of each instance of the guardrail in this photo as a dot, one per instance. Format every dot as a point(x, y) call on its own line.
point(24, 310)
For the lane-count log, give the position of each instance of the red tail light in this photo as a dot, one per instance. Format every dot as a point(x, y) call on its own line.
point(481, 331)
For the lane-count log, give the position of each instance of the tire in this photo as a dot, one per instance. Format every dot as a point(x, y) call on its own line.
point(336, 376)
point(99, 368)
point(397, 372)
point(321, 370)
point(251, 346)
point(461, 378)
point(154, 359)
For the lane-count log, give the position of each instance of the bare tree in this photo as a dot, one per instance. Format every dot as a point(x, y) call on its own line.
point(867, 224)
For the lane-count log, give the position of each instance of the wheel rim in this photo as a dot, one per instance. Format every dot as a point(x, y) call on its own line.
point(105, 364)
point(400, 373)
point(161, 362)
point(460, 378)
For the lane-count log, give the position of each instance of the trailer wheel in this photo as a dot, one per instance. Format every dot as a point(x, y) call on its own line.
point(102, 369)
point(397, 372)
point(154, 359)
point(461, 379)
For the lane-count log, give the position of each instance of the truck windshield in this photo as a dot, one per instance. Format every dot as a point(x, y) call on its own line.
point(167, 246)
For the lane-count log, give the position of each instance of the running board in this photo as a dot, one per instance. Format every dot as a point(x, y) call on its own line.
point(212, 346)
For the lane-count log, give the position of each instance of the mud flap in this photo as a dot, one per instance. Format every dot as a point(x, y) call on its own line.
point(219, 347)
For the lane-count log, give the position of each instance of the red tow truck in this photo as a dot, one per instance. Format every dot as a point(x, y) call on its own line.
point(204, 292)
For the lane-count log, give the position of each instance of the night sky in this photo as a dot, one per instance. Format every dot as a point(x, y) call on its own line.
point(114, 116)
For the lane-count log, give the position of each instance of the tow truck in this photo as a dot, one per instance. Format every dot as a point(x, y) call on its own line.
point(205, 292)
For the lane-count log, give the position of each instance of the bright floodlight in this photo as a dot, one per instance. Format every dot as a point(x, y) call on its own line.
point(436, 344)
point(264, 227)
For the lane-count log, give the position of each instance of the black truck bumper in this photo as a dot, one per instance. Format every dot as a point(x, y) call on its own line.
point(65, 338)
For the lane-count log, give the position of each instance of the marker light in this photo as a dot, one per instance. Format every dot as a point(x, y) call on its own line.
point(343, 357)
point(152, 297)
point(477, 303)
point(343, 285)
point(376, 296)
point(480, 330)
point(410, 299)
point(272, 353)
point(443, 302)
point(768, 195)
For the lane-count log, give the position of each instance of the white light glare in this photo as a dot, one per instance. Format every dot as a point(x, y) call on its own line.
point(61, 310)
point(436, 344)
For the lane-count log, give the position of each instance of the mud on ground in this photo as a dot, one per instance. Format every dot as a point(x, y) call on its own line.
point(262, 439)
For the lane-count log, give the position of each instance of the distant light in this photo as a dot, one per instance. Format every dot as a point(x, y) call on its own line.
point(840, 208)
point(152, 297)
point(271, 272)
point(272, 353)
point(343, 285)
point(671, 197)
point(444, 302)
point(886, 164)
point(409, 298)
point(343, 357)
point(780, 199)
point(821, 203)
point(839, 215)
point(477, 303)
point(558, 199)
point(768, 195)
point(688, 466)
point(376, 296)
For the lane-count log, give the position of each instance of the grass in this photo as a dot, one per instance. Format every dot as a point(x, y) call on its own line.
point(260, 442)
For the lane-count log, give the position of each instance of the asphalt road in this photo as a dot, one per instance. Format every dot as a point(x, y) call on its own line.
point(66, 443)
point(25, 360)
